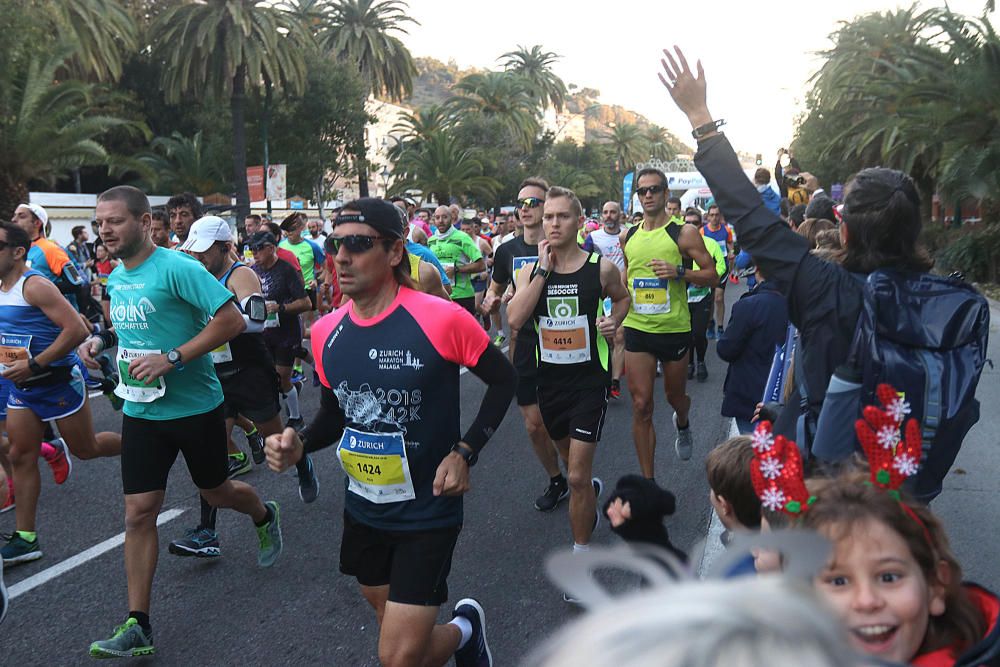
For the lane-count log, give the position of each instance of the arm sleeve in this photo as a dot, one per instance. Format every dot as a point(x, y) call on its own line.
point(776, 249)
point(328, 424)
point(497, 372)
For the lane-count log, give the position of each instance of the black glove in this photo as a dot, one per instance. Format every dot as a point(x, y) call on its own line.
point(649, 505)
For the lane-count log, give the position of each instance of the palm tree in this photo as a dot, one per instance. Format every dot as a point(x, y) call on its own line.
point(100, 30)
point(501, 95)
point(659, 143)
point(535, 66)
point(360, 32)
point(182, 164)
point(626, 141)
point(220, 47)
point(443, 168)
point(47, 127)
point(418, 126)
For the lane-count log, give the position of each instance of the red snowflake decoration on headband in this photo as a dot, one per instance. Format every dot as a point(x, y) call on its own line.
point(776, 472)
point(891, 458)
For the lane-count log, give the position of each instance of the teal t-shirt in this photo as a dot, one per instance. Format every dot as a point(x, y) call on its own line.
point(157, 306)
point(457, 247)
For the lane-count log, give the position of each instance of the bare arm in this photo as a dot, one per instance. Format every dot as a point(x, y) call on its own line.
point(46, 296)
point(430, 280)
point(528, 291)
point(613, 286)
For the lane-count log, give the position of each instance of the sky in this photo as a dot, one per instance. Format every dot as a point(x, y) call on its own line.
point(758, 57)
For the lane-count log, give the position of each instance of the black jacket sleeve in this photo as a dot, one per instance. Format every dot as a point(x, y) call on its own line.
point(497, 372)
point(328, 424)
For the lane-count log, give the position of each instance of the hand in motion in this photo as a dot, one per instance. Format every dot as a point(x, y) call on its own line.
point(686, 89)
point(88, 351)
point(283, 450)
point(452, 477)
point(606, 326)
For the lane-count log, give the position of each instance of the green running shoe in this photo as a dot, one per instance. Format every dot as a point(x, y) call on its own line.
point(19, 550)
point(239, 464)
point(269, 536)
point(128, 641)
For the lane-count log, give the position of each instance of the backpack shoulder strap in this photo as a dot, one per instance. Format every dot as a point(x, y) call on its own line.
point(629, 234)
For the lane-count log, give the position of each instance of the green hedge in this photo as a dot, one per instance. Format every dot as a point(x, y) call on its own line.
point(974, 250)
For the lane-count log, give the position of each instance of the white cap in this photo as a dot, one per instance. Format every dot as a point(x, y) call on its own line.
point(205, 231)
point(39, 212)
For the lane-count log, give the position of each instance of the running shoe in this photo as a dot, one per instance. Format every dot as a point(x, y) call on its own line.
point(198, 542)
point(476, 652)
point(719, 331)
point(554, 494)
point(499, 340)
point(94, 384)
point(269, 537)
point(56, 454)
point(297, 378)
point(690, 371)
point(256, 442)
point(615, 393)
point(19, 550)
point(684, 444)
point(702, 371)
point(4, 598)
point(308, 482)
point(710, 333)
point(239, 464)
point(298, 423)
point(598, 490)
point(128, 641)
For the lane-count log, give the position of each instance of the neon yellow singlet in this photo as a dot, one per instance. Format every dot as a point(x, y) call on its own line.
point(414, 269)
point(657, 306)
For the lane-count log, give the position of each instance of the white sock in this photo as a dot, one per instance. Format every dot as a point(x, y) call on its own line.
point(580, 548)
point(465, 627)
point(292, 400)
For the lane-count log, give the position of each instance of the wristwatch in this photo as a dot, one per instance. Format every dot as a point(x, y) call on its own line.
point(707, 128)
point(681, 270)
point(544, 273)
point(36, 368)
point(174, 357)
point(466, 453)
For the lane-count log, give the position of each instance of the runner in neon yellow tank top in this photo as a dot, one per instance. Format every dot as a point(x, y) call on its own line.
point(658, 326)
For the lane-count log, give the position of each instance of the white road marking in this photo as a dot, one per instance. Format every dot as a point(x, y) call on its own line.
point(713, 541)
point(73, 562)
point(466, 370)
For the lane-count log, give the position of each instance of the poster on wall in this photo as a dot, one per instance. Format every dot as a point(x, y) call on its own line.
point(276, 185)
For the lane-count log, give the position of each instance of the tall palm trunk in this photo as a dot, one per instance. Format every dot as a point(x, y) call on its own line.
point(237, 104)
point(12, 193)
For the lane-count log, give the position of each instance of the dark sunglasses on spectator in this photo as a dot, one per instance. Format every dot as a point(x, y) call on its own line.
point(355, 243)
point(654, 189)
point(259, 246)
point(529, 202)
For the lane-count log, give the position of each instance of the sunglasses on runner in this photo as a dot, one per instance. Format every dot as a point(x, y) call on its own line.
point(530, 202)
point(653, 189)
point(355, 243)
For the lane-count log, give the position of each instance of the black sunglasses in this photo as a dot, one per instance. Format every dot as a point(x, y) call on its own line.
point(530, 202)
point(355, 243)
point(654, 189)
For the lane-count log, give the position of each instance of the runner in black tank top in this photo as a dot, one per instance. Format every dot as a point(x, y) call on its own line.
point(562, 299)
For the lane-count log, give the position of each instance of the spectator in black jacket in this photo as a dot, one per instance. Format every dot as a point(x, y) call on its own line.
point(757, 325)
point(880, 229)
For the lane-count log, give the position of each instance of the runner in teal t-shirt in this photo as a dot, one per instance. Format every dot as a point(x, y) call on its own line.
point(157, 306)
point(169, 313)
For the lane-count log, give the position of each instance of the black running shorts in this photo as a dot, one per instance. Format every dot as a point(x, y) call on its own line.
point(666, 347)
point(150, 447)
point(253, 393)
point(527, 390)
point(283, 354)
point(573, 413)
point(414, 564)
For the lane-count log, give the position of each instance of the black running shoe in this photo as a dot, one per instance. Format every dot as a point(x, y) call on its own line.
point(554, 494)
point(702, 372)
point(256, 442)
point(476, 652)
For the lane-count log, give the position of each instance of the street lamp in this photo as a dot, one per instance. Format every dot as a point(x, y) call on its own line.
point(385, 180)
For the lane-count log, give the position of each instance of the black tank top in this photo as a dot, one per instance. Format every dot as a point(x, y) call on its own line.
point(244, 351)
point(569, 349)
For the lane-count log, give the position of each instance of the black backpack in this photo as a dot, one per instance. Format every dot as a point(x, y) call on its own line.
point(927, 336)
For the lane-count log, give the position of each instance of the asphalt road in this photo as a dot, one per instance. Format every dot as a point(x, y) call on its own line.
point(303, 611)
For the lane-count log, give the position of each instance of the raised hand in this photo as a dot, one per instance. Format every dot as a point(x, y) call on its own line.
point(686, 89)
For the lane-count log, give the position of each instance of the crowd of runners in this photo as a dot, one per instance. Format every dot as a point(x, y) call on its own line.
point(193, 326)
